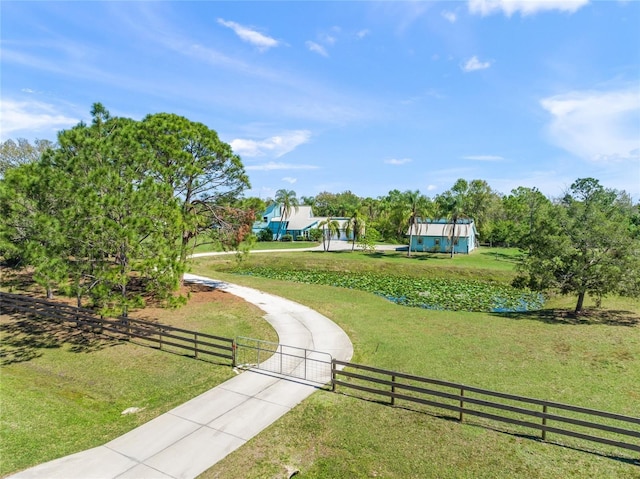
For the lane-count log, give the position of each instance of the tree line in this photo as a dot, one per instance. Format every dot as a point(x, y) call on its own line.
point(111, 211)
point(585, 242)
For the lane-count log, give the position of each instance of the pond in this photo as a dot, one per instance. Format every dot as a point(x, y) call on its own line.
point(432, 293)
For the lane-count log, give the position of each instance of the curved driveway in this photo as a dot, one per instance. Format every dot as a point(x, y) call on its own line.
point(189, 439)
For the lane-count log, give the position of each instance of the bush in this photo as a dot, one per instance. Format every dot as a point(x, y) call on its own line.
point(286, 238)
point(265, 235)
point(300, 238)
point(315, 234)
point(368, 242)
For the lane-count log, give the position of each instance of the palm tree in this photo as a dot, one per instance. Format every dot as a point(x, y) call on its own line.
point(355, 226)
point(288, 201)
point(418, 205)
point(452, 206)
point(456, 213)
point(329, 227)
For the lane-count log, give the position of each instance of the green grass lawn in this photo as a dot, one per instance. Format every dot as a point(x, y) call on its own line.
point(62, 391)
point(490, 264)
point(262, 245)
point(79, 386)
point(593, 362)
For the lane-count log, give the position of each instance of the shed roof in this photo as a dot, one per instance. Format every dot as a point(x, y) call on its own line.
point(441, 229)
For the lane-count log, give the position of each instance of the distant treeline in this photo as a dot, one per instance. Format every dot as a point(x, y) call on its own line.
point(111, 212)
point(501, 219)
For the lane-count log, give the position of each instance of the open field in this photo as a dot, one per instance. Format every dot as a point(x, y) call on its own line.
point(593, 361)
point(262, 245)
point(491, 264)
point(63, 391)
point(81, 385)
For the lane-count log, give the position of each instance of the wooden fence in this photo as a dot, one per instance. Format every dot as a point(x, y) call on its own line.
point(622, 431)
point(543, 416)
point(146, 332)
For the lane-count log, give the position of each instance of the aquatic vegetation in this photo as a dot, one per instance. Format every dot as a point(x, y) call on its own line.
point(429, 293)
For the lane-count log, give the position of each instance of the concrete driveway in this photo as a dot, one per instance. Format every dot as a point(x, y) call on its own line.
point(189, 439)
point(336, 245)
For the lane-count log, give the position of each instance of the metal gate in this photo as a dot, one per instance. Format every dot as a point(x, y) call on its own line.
point(313, 366)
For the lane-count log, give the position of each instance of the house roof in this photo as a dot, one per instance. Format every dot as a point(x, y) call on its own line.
point(298, 219)
point(303, 219)
point(441, 229)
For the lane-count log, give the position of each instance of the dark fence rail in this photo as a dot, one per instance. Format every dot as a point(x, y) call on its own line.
point(149, 333)
point(550, 417)
point(623, 431)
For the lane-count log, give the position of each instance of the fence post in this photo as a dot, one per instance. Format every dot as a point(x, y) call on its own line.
point(461, 404)
point(195, 344)
point(160, 334)
point(333, 375)
point(544, 422)
point(234, 349)
point(280, 346)
point(305, 364)
point(393, 389)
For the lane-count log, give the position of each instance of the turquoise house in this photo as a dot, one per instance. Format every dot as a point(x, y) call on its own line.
point(267, 219)
point(298, 222)
point(437, 236)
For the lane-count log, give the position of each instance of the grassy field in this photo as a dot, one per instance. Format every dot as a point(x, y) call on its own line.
point(494, 264)
point(593, 362)
point(78, 386)
point(63, 391)
point(262, 245)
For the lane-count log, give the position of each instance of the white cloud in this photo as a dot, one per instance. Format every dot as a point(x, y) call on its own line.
point(431, 187)
point(449, 16)
point(272, 165)
point(275, 146)
point(290, 180)
point(264, 192)
point(31, 117)
point(325, 39)
point(248, 35)
point(596, 125)
point(328, 39)
point(317, 48)
point(483, 158)
point(395, 161)
point(474, 64)
point(363, 33)
point(524, 7)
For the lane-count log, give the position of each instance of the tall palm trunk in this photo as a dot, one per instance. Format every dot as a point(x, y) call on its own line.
point(453, 236)
point(411, 223)
point(324, 239)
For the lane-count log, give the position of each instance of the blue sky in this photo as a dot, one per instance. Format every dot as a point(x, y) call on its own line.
point(360, 96)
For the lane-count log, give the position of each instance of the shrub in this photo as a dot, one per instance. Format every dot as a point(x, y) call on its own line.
point(368, 242)
point(265, 235)
point(286, 238)
point(315, 234)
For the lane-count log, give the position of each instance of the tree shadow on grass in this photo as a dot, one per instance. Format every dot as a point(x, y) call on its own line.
point(587, 317)
point(26, 337)
point(13, 279)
